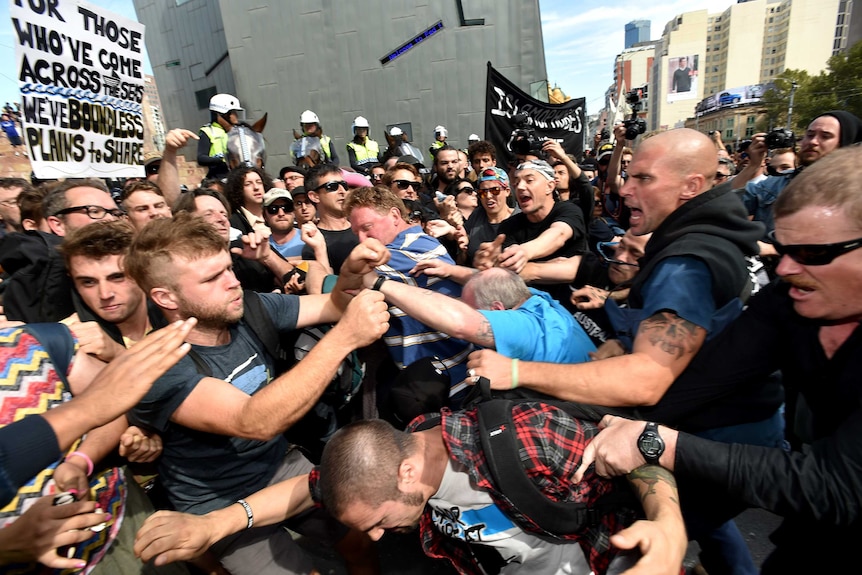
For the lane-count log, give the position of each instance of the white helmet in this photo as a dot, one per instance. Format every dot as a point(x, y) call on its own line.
point(396, 131)
point(360, 122)
point(224, 103)
point(441, 131)
point(473, 138)
point(309, 117)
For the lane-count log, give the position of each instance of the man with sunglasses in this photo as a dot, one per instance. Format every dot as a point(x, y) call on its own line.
point(279, 216)
point(327, 189)
point(808, 327)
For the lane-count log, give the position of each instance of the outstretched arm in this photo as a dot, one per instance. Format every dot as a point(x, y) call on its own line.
point(438, 311)
point(169, 536)
point(169, 176)
point(663, 348)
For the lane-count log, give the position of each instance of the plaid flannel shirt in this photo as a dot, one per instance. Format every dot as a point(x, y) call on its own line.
point(552, 443)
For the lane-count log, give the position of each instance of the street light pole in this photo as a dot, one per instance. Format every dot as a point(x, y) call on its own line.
point(793, 86)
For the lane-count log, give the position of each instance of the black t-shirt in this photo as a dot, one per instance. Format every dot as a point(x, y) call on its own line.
point(519, 229)
point(339, 244)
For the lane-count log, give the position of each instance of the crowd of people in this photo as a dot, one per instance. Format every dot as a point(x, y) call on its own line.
point(667, 327)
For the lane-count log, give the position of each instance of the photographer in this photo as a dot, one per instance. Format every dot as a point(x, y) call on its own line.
point(825, 134)
point(572, 184)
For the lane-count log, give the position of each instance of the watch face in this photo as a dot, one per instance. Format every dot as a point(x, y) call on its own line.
point(651, 445)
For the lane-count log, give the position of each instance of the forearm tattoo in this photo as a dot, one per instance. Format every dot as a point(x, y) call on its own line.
point(485, 335)
point(645, 478)
point(670, 333)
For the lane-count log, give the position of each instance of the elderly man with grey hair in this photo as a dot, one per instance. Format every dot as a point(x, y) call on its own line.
point(497, 311)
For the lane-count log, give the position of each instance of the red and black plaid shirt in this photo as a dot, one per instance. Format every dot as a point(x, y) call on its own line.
point(551, 445)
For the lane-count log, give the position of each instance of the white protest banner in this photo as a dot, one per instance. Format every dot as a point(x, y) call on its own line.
point(80, 72)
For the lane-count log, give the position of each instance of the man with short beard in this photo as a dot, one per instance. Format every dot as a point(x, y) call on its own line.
point(447, 165)
point(220, 412)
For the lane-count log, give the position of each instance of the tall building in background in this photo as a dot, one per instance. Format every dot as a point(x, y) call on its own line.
point(414, 63)
point(633, 71)
point(637, 31)
point(729, 54)
point(154, 123)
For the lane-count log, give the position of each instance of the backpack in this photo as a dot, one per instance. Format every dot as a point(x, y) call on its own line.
point(500, 446)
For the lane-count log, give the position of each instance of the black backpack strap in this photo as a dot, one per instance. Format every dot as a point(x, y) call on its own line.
point(501, 447)
point(58, 343)
point(257, 318)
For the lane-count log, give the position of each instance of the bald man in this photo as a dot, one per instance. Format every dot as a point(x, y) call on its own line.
point(691, 284)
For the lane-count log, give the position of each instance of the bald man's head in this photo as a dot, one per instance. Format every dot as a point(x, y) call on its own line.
point(667, 170)
point(687, 152)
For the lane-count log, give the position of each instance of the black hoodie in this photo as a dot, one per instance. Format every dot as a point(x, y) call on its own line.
point(714, 228)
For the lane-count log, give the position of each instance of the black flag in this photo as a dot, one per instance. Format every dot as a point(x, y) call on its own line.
point(505, 104)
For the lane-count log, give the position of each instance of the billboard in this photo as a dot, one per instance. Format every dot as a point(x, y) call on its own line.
point(732, 97)
point(682, 78)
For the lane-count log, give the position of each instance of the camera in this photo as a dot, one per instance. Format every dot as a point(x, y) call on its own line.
point(605, 134)
point(712, 133)
point(780, 138)
point(634, 126)
point(524, 139)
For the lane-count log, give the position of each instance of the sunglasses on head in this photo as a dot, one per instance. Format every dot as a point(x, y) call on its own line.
point(814, 254)
point(273, 209)
point(404, 184)
point(332, 186)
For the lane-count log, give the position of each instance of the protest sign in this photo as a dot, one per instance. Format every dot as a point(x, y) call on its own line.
point(80, 72)
point(512, 116)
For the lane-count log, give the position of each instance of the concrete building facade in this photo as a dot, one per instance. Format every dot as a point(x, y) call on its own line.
point(748, 43)
point(411, 62)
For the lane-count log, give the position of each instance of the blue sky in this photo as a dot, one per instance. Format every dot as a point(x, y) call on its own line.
point(581, 39)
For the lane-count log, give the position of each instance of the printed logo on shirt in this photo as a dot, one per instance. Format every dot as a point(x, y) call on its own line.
point(472, 525)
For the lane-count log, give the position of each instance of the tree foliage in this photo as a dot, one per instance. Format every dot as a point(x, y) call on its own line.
point(839, 87)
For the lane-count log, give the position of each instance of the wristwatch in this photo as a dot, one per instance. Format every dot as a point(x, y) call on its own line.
point(650, 443)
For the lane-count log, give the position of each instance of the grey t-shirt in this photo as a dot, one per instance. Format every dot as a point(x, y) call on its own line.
point(206, 471)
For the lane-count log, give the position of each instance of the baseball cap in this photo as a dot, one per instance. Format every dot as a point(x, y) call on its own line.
point(276, 194)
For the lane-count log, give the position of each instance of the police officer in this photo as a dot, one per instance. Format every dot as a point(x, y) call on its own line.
point(362, 150)
point(310, 124)
point(212, 147)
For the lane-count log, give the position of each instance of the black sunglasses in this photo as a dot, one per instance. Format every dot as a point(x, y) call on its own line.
point(332, 186)
point(814, 254)
point(720, 176)
point(273, 209)
point(608, 252)
point(404, 184)
point(467, 190)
